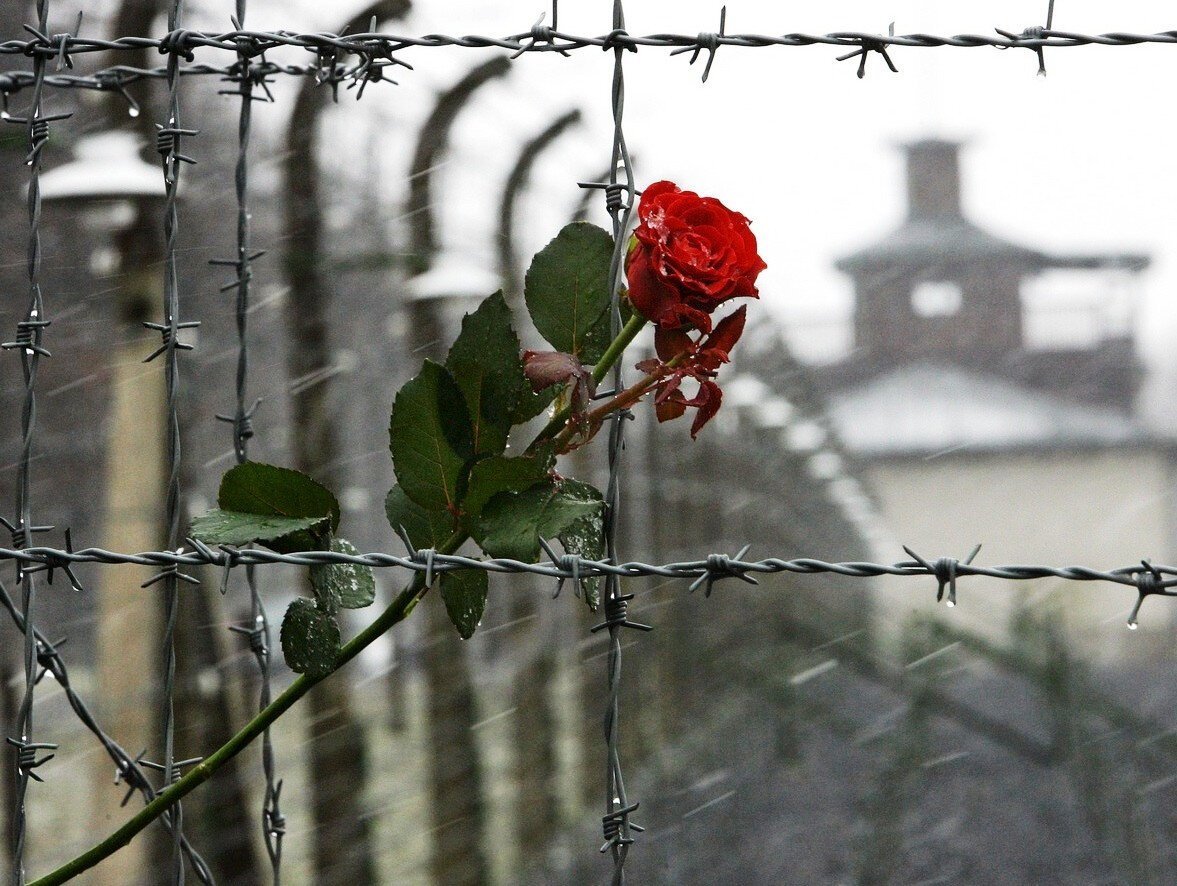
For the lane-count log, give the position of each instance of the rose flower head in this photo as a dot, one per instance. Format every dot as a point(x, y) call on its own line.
point(689, 255)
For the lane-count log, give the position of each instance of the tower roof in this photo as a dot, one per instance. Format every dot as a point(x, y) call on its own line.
point(923, 242)
point(937, 233)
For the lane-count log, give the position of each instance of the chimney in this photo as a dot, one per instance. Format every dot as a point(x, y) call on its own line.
point(933, 179)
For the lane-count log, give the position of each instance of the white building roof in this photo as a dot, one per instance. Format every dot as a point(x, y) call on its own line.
point(927, 408)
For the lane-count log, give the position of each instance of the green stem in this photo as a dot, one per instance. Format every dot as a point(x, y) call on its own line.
point(628, 333)
point(612, 354)
point(396, 612)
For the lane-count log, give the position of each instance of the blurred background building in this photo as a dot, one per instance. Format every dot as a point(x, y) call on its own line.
point(991, 395)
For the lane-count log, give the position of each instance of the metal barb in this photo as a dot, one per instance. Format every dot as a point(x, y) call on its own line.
point(617, 614)
point(869, 45)
point(168, 332)
point(570, 566)
point(1149, 581)
point(26, 756)
point(944, 569)
point(171, 571)
point(64, 564)
point(615, 823)
point(707, 42)
point(541, 37)
point(719, 567)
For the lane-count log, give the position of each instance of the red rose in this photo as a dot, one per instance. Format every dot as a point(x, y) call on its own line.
point(690, 255)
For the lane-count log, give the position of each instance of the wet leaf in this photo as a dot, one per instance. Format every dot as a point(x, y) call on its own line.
point(430, 438)
point(272, 491)
point(219, 527)
point(586, 535)
point(500, 474)
point(310, 638)
point(485, 363)
point(512, 523)
point(426, 529)
point(464, 593)
point(346, 585)
point(567, 291)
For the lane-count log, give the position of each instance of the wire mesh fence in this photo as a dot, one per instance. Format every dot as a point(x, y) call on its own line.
point(357, 62)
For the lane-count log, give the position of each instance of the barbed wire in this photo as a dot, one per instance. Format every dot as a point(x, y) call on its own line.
point(249, 77)
point(620, 193)
point(374, 53)
point(539, 39)
point(28, 344)
point(543, 39)
point(1156, 578)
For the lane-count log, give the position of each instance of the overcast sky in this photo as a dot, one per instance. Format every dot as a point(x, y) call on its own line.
point(1079, 160)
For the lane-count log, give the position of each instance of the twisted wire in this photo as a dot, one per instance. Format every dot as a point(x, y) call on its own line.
point(127, 768)
point(41, 657)
point(248, 75)
point(617, 826)
point(36, 131)
point(202, 555)
point(562, 42)
point(381, 45)
point(170, 134)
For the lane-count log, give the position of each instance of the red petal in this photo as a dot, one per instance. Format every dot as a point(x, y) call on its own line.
point(648, 292)
point(727, 332)
point(669, 343)
point(712, 397)
point(649, 366)
point(671, 408)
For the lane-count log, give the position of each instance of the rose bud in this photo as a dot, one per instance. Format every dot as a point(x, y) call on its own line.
point(546, 368)
point(689, 255)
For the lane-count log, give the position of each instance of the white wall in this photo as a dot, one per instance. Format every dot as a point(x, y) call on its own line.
point(1097, 509)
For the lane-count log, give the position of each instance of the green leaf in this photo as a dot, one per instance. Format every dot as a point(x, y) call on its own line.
point(310, 638)
point(567, 291)
point(586, 536)
point(426, 529)
point(219, 527)
point(346, 585)
point(486, 365)
point(498, 474)
point(512, 523)
point(430, 438)
point(531, 404)
point(464, 593)
point(271, 491)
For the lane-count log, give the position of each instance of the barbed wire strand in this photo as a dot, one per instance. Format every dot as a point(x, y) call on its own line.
point(249, 77)
point(554, 40)
point(616, 821)
point(618, 829)
point(127, 768)
point(381, 46)
point(169, 136)
point(41, 656)
point(720, 565)
point(28, 345)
